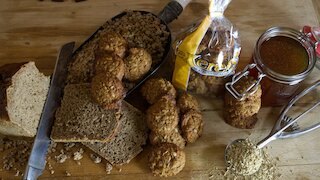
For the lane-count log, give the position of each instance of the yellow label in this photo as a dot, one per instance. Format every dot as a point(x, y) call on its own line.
point(186, 54)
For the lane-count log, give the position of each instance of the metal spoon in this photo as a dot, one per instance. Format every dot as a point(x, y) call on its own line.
point(284, 122)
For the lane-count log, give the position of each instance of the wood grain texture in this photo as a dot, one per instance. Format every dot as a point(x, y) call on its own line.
point(34, 30)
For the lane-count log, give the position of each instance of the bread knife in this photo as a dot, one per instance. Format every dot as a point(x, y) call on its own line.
point(37, 159)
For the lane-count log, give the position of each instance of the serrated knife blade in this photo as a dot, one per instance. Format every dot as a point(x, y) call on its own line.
point(37, 159)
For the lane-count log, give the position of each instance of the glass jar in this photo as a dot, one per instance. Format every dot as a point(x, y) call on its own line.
point(277, 88)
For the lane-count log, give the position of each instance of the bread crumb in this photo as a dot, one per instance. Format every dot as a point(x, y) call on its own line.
point(68, 146)
point(50, 166)
point(78, 155)
point(17, 153)
point(95, 158)
point(68, 173)
point(52, 147)
point(61, 158)
point(108, 168)
point(17, 173)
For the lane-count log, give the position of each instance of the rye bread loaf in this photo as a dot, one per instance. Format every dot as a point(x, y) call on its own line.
point(23, 91)
point(126, 145)
point(79, 119)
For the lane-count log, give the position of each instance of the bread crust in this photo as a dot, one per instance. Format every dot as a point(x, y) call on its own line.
point(6, 73)
point(166, 159)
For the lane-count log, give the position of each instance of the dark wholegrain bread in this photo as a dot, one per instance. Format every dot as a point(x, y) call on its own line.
point(126, 145)
point(79, 119)
point(23, 91)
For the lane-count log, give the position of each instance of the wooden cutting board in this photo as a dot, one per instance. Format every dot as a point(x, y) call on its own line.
point(35, 30)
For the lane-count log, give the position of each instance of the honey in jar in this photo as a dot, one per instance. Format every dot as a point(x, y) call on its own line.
point(286, 57)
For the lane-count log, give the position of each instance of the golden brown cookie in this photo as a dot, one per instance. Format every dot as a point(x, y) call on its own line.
point(215, 85)
point(110, 64)
point(138, 63)
point(173, 137)
point(154, 89)
point(162, 116)
point(113, 43)
point(242, 114)
point(107, 91)
point(204, 44)
point(166, 159)
point(196, 84)
point(187, 102)
point(192, 125)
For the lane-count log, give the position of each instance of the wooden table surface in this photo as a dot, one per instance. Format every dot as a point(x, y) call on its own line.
point(34, 30)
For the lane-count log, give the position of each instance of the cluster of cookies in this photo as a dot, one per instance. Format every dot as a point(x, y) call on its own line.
point(172, 123)
point(113, 62)
point(243, 114)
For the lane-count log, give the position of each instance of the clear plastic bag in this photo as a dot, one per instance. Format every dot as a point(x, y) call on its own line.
point(207, 52)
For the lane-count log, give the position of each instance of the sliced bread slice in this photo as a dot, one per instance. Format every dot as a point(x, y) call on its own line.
point(23, 93)
point(126, 145)
point(81, 120)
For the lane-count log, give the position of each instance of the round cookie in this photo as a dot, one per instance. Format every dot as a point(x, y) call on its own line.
point(242, 114)
point(107, 91)
point(173, 137)
point(215, 85)
point(113, 43)
point(191, 125)
point(138, 63)
point(196, 84)
point(154, 89)
point(162, 116)
point(166, 159)
point(109, 64)
point(187, 102)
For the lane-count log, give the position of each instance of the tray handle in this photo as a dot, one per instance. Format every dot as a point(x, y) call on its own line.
point(172, 10)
